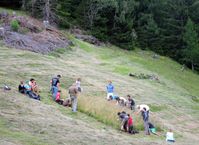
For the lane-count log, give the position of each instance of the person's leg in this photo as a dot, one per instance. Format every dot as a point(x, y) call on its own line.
point(107, 97)
point(54, 92)
point(74, 104)
point(146, 128)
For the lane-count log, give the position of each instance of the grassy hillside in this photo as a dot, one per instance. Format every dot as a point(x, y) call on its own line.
point(171, 100)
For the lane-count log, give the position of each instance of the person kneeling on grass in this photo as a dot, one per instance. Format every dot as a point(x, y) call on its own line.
point(130, 127)
point(130, 124)
point(57, 99)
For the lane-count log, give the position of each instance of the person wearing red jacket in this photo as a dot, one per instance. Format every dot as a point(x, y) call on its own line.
point(130, 124)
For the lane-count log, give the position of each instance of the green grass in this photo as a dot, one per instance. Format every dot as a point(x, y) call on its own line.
point(25, 138)
point(157, 108)
point(96, 65)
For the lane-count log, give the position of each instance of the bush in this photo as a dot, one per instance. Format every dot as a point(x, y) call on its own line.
point(15, 25)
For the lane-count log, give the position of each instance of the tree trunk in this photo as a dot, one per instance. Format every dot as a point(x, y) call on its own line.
point(23, 5)
point(47, 10)
point(33, 3)
point(192, 66)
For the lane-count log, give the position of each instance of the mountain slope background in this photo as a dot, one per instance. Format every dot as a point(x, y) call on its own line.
point(173, 99)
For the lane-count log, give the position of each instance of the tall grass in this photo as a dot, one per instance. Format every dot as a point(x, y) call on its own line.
point(106, 111)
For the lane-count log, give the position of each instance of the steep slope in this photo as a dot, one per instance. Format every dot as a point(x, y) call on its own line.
point(25, 121)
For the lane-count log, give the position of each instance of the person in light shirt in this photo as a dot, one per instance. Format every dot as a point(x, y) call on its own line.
point(141, 107)
point(169, 136)
point(110, 90)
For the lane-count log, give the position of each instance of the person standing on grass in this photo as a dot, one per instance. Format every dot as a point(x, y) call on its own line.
point(73, 91)
point(145, 117)
point(141, 107)
point(110, 90)
point(131, 103)
point(55, 86)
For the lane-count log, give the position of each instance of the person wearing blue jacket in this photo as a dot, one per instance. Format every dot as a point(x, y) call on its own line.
point(110, 90)
point(145, 116)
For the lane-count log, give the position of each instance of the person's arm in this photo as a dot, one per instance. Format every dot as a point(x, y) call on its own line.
point(58, 86)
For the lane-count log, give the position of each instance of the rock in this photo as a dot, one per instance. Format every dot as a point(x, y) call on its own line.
point(2, 32)
point(89, 39)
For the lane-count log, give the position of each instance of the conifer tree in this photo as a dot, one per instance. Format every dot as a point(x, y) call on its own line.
point(191, 52)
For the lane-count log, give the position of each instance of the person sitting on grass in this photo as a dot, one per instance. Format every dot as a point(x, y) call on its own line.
point(34, 86)
point(21, 87)
point(152, 128)
point(29, 92)
point(67, 103)
point(169, 136)
point(131, 102)
point(57, 99)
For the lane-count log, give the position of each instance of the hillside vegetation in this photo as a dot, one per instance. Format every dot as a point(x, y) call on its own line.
point(25, 121)
point(173, 99)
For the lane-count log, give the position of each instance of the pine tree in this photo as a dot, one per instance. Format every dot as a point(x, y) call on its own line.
point(191, 52)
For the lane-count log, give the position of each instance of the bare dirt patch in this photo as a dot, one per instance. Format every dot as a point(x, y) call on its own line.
point(31, 35)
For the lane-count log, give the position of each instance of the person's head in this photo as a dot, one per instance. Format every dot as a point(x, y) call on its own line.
point(170, 130)
point(123, 112)
point(32, 80)
point(59, 76)
point(128, 115)
point(117, 98)
point(144, 109)
point(78, 79)
point(118, 113)
point(21, 82)
point(59, 91)
point(128, 96)
point(138, 106)
point(110, 82)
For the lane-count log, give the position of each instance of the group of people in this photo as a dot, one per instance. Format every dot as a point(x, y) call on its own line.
point(127, 120)
point(29, 88)
point(74, 90)
point(129, 102)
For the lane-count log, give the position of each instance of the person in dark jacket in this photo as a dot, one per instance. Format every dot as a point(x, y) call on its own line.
point(145, 117)
point(21, 87)
point(131, 102)
point(123, 117)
